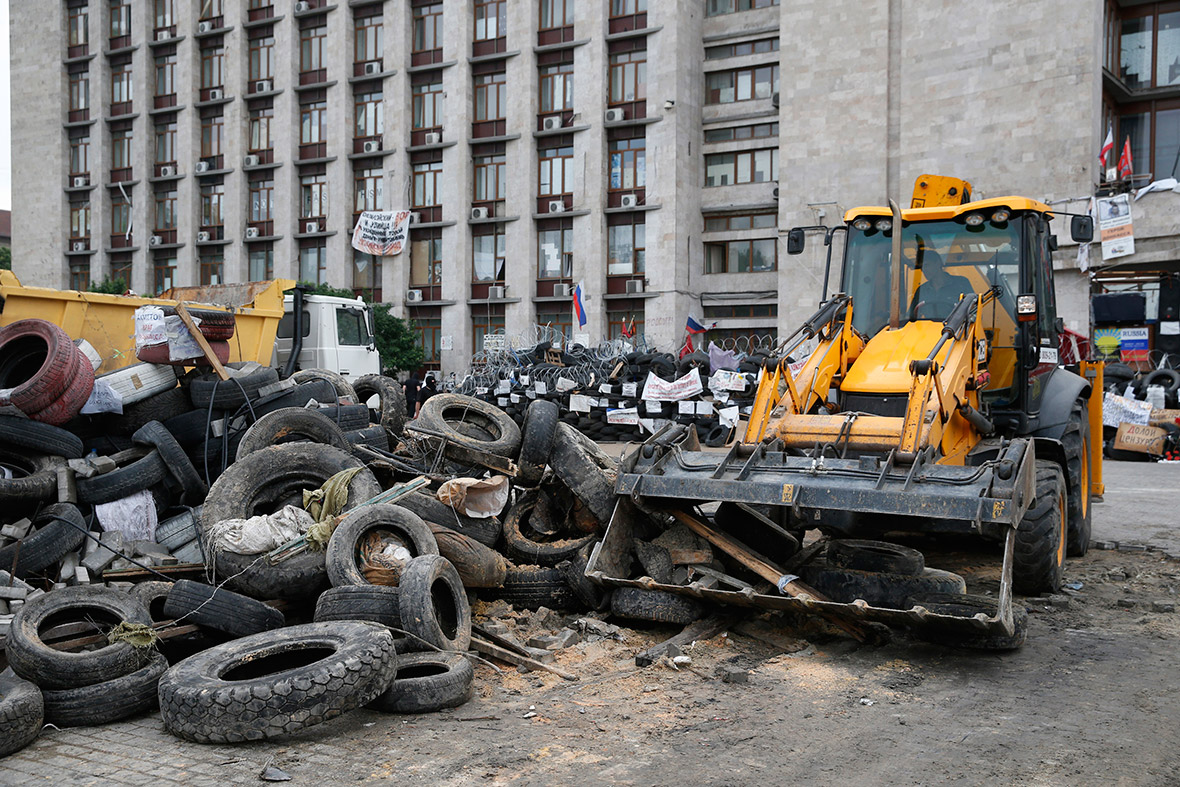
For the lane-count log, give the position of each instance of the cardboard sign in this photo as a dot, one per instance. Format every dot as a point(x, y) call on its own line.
point(1164, 417)
point(382, 234)
point(580, 403)
point(723, 380)
point(150, 327)
point(629, 389)
point(687, 408)
point(1139, 438)
point(1117, 410)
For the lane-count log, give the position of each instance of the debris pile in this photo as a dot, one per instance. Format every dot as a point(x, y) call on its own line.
point(1141, 414)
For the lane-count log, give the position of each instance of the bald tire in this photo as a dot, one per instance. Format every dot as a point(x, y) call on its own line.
point(427, 682)
point(22, 713)
point(391, 399)
point(1038, 562)
point(654, 606)
point(111, 700)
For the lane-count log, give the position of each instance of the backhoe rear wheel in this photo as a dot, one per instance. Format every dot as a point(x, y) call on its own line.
point(1076, 441)
point(1039, 559)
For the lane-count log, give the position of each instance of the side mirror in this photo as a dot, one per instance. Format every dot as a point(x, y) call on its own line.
point(1053, 243)
point(796, 240)
point(1081, 229)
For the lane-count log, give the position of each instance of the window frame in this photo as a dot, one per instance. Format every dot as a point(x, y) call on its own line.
point(122, 84)
point(368, 182)
point(556, 81)
point(736, 171)
point(566, 246)
point(499, 256)
point(308, 114)
point(259, 123)
point(313, 197)
point(632, 158)
point(119, 22)
point(633, 67)
point(311, 48)
point(368, 113)
point(489, 170)
point(212, 199)
point(80, 221)
point(425, 179)
point(485, 85)
point(78, 25)
point(714, 95)
point(546, 158)
point(260, 207)
point(728, 247)
point(212, 136)
point(213, 68)
point(267, 259)
point(79, 87)
point(636, 264)
point(368, 33)
point(261, 54)
point(80, 154)
point(165, 133)
point(427, 20)
point(567, 14)
point(494, 24)
point(427, 98)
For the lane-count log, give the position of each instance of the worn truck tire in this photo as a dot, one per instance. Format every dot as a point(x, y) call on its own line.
point(229, 394)
point(220, 609)
point(486, 531)
point(278, 682)
point(48, 543)
point(530, 547)
point(586, 469)
point(404, 525)
point(1038, 561)
point(392, 401)
point(180, 468)
point(470, 423)
point(967, 604)
point(262, 483)
point(375, 603)
point(22, 714)
point(1076, 441)
point(161, 407)
point(343, 389)
point(531, 587)
point(427, 682)
point(370, 437)
point(216, 326)
point(38, 437)
point(138, 470)
point(536, 441)
point(34, 476)
point(654, 606)
point(292, 425)
point(111, 700)
point(33, 660)
point(861, 554)
point(433, 605)
point(153, 595)
point(880, 589)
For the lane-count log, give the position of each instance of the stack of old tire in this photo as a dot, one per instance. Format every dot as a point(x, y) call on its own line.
point(42, 372)
point(1121, 379)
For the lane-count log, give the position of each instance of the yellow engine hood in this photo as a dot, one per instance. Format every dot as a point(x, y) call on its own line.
point(883, 366)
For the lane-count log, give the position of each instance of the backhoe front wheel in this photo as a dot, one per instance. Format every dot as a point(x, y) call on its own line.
point(1076, 441)
point(1039, 559)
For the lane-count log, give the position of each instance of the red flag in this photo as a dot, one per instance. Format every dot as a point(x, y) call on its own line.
point(1107, 147)
point(628, 331)
point(1125, 168)
point(687, 349)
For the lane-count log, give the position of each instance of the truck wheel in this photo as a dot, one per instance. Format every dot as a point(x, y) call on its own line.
point(391, 401)
point(1039, 560)
point(433, 607)
point(468, 422)
point(866, 555)
point(655, 606)
point(292, 425)
point(1077, 460)
point(111, 700)
point(965, 604)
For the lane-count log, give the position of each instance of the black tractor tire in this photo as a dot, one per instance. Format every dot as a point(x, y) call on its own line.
point(1076, 442)
point(586, 470)
point(38, 437)
point(1038, 562)
point(262, 483)
point(427, 682)
point(433, 605)
point(486, 531)
point(48, 543)
point(391, 401)
point(22, 714)
point(865, 555)
point(967, 604)
point(470, 423)
point(34, 476)
point(654, 606)
point(342, 558)
point(220, 609)
point(527, 546)
point(192, 488)
point(1118, 372)
point(342, 388)
point(49, 668)
point(590, 595)
point(292, 425)
point(877, 588)
point(136, 472)
point(532, 587)
point(536, 441)
point(371, 437)
point(1169, 379)
point(102, 703)
point(278, 682)
point(229, 394)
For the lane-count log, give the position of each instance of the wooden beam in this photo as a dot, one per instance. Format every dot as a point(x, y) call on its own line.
point(705, 628)
point(504, 654)
point(210, 356)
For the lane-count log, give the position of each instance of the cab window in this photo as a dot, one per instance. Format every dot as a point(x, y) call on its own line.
point(351, 329)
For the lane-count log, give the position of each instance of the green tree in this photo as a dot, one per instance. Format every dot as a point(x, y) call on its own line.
point(5, 258)
point(396, 340)
point(110, 286)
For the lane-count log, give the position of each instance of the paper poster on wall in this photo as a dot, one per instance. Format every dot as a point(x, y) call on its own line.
point(1114, 224)
point(1134, 344)
point(628, 416)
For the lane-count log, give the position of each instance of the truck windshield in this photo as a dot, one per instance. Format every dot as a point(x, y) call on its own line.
point(941, 261)
point(351, 327)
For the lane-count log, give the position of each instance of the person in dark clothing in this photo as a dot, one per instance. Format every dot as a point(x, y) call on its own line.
point(940, 291)
point(411, 388)
point(428, 390)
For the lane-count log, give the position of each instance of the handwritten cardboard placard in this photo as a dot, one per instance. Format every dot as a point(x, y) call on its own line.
point(1143, 439)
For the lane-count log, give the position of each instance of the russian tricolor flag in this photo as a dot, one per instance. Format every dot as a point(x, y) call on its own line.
point(579, 309)
point(694, 327)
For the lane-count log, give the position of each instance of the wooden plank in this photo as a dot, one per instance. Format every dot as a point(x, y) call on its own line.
point(705, 628)
point(210, 356)
point(504, 654)
point(167, 632)
point(180, 570)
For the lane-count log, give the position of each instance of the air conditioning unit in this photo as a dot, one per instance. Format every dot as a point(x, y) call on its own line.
point(80, 181)
point(562, 290)
point(774, 98)
point(263, 86)
point(415, 218)
point(775, 192)
point(163, 35)
point(167, 172)
point(251, 233)
point(302, 7)
point(372, 68)
point(556, 206)
point(252, 160)
point(155, 240)
point(615, 115)
point(480, 213)
point(433, 138)
point(215, 94)
point(629, 201)
point(634, 286)
point(373, 146)
point(202, 166)
point(414, 296)
point(551, 123)
point(204, 27)
point(202, 237)
point(79, 245)
point(311, 227)
point(497, 293)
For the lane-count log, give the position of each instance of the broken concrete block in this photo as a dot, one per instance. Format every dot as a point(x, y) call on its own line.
point(82, 468)
point(15, 604)
point(3, 607)
point(121, 564)
point(69, 564)
point(1058, 602)
point(125, 586)
point(102, 464)
point(13, 593)
point(733, 675)
point(1163, 606)
point(16, 530)
point(35, 593)
point(150, 549)
point(562, 639)
point(189, 553)
point(82, 576)
point(112, 540)
point(9, 579)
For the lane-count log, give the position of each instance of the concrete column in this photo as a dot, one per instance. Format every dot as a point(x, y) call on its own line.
point(398, 118)
point(520, 162)
point(338, 58)
point(590, 163)
point(285, 138)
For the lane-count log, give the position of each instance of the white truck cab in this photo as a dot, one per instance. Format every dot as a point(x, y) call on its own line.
point(337, 335)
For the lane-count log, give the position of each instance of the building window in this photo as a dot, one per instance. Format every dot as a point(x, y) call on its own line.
point(429, 338)
point(426, 259)
point(426, 180)
point(624, 322)
point(626, 244)
point(80, 276)
point(485, 325)
point(165, 143)
point(627, 7)
point(487, 256)
point(311, 48)
point(260, 128)
point(490, 184)
point(121, 270)
point(491, 19)
point(556, 172)
point(212, 195)
point(165, 211)
point(80, 155)
point(120, 18)
point(313, 123)
point(741, 256)
point(369, 46)
point(262, 264)
point(78, 26)
point(212, 135)
point(428, 31)
point(557, 88)
point(628, 76)
point(211, 9)
point(1154, 130)
point(262, 58)
point(751, 166)
point(741, 84)
point(628, 164)
point(746, 221)
point(212, 67)
point(121, 84)
point(261, 200)
point(165, 14)
point(559, 318)
point(80, 221)
point(212, 269)
point(724, 51)
point(165, 75)
point(369, 110)
point(165, 269)
point(489, 97)
point(556, 13)
point(80, 91)
point(120, 150)
point(313, 264)
point(428, 105)
point(366, 275)
point(120, 220)
point(369, 185)
point(719, 7)
point(1148, 41)
point(313, 196)
point(757, 131)
point(555, 253)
